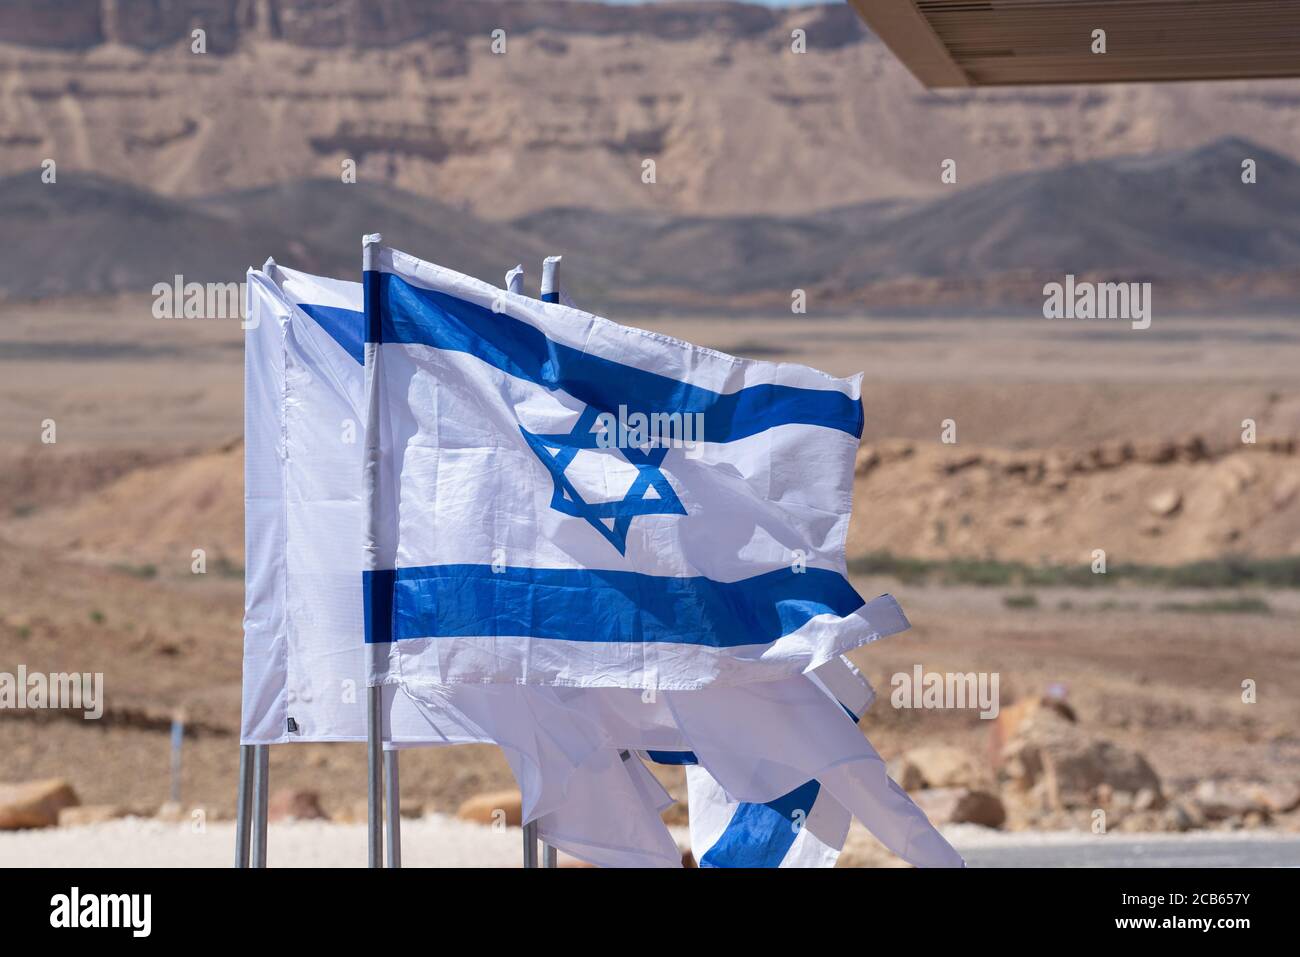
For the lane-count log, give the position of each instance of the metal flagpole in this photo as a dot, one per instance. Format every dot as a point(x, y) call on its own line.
point(393, 822)
point(375, 791)
point(254, 774)
point(243, 804)
point(515, 284)
point(374, 693)
point(550, 293)
point(261, 785)
point(530, 844)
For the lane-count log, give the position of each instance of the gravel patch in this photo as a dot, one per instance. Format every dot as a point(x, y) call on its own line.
point(434, 841)
point(440, 840)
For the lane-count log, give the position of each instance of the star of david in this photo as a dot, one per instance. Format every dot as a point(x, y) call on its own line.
point(649, 494)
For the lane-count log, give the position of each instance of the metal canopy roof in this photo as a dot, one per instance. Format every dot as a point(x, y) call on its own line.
point(952, 43)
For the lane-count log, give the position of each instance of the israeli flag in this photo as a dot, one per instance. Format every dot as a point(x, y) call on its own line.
point(304, 512)
point(304, 659)
point(556, 499)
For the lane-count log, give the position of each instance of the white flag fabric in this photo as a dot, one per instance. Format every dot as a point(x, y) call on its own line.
point(525, 526)
point(764, 740)
point(611, 814)
point(804, 828)
point(304, 664)
point(304, 657)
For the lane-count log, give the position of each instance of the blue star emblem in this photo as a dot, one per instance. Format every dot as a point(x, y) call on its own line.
point(649, 494)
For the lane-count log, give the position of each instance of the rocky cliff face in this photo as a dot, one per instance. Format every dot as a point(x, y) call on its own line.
point(734, 121)
point(366, 24)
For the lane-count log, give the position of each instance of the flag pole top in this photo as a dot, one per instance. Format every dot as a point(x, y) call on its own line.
point(369, 245)
point(550, 266)
point(515, 279)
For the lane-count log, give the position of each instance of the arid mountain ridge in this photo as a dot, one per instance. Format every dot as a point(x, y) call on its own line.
point(363, 24)
point(1183, 221)
point(735, 121)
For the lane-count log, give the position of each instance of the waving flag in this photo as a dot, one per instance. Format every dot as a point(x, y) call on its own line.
point(557, 499)
point(304, 664)
point(805, 827)
point(304, 620)
point(304, 657)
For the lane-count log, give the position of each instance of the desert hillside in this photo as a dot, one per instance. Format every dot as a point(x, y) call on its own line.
point(1182, 221)
point(735, 122)
point(1164, 504)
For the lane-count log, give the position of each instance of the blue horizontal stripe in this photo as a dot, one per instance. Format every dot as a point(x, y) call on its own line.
point(576, 604)
point(409, 314)
point(761, 835)
point(344, 326)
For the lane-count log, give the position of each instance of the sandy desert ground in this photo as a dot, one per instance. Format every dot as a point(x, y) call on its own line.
point(98, 529)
